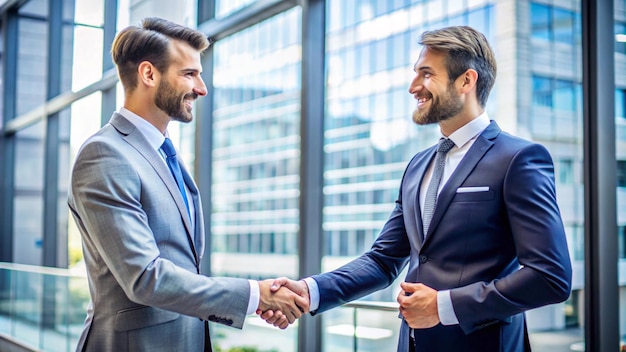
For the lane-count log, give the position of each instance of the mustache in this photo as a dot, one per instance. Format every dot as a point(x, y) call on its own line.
point(192, 96)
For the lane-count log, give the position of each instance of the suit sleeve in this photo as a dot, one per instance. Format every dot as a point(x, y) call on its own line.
point(541, 247)
point(372, 271)
point(105, 198)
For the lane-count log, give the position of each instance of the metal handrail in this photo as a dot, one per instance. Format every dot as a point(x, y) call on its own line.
point(374, 305)
point(41, 270)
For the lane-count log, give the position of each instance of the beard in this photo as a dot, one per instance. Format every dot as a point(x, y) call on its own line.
point(173, 103)
point(440, 109)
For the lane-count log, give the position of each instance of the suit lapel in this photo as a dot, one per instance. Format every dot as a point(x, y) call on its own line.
point(137, 140)
point(411, 193)
point(198, 217)
point(418, 213)
point(482, 144)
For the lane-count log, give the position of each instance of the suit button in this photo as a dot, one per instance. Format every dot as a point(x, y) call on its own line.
point(423, 259)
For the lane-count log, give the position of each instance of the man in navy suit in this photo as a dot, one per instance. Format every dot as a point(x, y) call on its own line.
point(495, 245)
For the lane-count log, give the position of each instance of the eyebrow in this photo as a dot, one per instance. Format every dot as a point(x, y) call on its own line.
point(421, 68)
point(187, 70)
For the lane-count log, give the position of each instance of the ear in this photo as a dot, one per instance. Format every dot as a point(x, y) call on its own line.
point(467, 80)
point(147, 74)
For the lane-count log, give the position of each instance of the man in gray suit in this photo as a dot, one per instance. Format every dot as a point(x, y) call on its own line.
point(142, 229)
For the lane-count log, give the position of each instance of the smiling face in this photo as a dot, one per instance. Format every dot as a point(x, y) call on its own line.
point(181, 84)
point(437, 98)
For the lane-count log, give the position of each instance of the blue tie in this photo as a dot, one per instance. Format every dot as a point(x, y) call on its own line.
point(172, 162)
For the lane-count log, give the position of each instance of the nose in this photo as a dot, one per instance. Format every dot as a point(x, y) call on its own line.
point(200, 88)
point(415, 85)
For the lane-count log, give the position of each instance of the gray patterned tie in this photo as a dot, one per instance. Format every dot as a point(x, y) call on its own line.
point(430, 202)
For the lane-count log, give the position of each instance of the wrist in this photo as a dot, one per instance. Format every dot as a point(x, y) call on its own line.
point(305, 287)
point(264, 290)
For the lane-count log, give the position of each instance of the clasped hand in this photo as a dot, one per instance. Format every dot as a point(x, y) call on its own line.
point(283, 301)
point(418, 305)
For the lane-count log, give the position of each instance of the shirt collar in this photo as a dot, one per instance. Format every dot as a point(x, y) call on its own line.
point(470, 130)
point(152, 134)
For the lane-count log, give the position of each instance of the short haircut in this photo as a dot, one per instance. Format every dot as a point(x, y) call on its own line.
point(465, 48)
point(150, 42)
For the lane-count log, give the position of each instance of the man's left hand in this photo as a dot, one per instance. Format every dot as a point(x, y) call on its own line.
point(418, 305)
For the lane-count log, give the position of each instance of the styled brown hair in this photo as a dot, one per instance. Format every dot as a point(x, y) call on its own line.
point(150, 42)
point(465, 48)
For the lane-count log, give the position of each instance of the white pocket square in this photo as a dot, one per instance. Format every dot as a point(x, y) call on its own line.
point(472, 189)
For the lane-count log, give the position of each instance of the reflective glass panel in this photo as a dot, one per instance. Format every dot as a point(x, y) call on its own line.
point(224, 8)
point(620, 154)
point(255, 219)
point(370, 138)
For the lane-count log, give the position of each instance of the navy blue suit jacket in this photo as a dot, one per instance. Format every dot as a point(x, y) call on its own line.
point(501, 251)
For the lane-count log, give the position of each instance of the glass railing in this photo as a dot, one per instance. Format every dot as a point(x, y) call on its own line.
point(357, 326)
point(256, 336)
point(362, 326)
point(42, 308)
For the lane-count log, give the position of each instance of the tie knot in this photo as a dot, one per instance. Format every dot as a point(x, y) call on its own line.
point(168, 148)
point(445, 144)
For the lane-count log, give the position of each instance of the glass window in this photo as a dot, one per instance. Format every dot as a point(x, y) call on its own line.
point(565, 172)
point(382, 55)
point(351, 16)
point(479, 19)
point(620, 37)
point(621, 238)
point(458, 20)
point(564, 95)
point(382, 7)
point(255, 167)
point(89, 12)
point(563, 21)
point(30, 70)
point(365, 10)
point(334, 16)
point(224, 8)
point(621, 173)
point(550, 96)
point(542, 91)
point(455, 6)
point(540, 21)
point(399, 50)
point(34, 8)
point(620, 104)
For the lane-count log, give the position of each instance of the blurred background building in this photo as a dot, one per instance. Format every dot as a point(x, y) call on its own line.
point(299, 147)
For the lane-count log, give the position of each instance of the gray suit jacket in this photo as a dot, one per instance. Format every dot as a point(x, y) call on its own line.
point(142, 256)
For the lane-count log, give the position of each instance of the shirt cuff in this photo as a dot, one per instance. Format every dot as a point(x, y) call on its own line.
point(445, 308)
point(314, 294)
point(255, 297)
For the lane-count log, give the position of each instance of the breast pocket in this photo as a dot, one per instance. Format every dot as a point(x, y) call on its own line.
point(474, 196)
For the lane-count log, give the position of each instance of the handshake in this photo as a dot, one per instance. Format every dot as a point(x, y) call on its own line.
point(283, 301)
